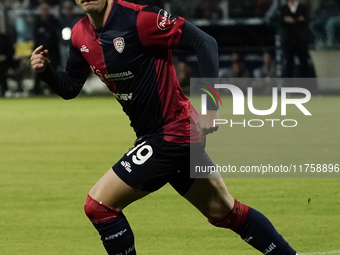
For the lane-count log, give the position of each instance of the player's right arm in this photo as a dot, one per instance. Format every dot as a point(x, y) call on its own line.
point(67, 84)
point(40, 59)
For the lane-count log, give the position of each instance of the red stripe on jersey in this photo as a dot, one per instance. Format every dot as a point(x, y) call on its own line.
point(160, 31)
point(85, 38)
point(179, 124)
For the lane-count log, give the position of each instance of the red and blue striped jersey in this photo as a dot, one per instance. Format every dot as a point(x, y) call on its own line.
point(132, 55)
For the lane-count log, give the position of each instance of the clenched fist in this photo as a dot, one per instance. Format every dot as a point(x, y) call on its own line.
point(205, 124)
point(40, 59)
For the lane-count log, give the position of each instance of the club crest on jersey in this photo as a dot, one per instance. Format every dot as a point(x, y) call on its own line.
point(165, 20)
point(119, 44)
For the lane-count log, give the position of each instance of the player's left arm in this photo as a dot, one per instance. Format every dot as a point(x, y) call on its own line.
point(204, 46)
point(206, 50)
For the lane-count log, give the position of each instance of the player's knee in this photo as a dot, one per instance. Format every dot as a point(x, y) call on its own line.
point(234, 219)
point(217, 210)
point(215, 216)
point(99, 213)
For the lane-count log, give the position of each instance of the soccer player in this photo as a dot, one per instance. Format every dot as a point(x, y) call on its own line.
point(128, 47)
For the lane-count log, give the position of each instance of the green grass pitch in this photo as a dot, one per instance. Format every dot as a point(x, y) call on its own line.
point(52, 151)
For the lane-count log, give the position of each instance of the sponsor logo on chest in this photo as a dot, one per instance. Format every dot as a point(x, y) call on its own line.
point(123, 97)
point(119, 76)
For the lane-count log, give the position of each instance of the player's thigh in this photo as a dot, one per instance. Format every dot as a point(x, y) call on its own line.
point(142, 170)
point(112, 191)
point(209, 195)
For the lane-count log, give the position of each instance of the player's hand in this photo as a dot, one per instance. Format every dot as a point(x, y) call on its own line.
point(40, 59)
point(205, 124)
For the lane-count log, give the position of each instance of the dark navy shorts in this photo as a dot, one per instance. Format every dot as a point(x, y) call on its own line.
point(154, 162)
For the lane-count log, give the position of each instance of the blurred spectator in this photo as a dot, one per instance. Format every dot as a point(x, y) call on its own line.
point(67, 20)
point(268, 68)
point(224, 7)
point(6, 59)
point(241, 9)
point(17, 72)
point(332, 26)
point(327, 9)
point(46, 32)
point(237, 70)
point(206, 9)
point(20, 3)
point(263, 83)
point(183, 72)
point(24, 31)
point(294, 17)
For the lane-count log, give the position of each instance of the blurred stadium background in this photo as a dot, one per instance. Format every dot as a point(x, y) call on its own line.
point(52, 151)
point(245, 28)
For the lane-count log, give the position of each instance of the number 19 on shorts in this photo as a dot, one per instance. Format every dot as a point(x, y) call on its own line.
point(143, 153)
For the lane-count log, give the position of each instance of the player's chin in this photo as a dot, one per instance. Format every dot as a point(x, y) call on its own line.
point(88, 6)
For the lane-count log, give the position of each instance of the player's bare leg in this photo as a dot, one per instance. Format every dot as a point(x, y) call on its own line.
point(211, 197)
point(112, 191)
point(104, 206)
